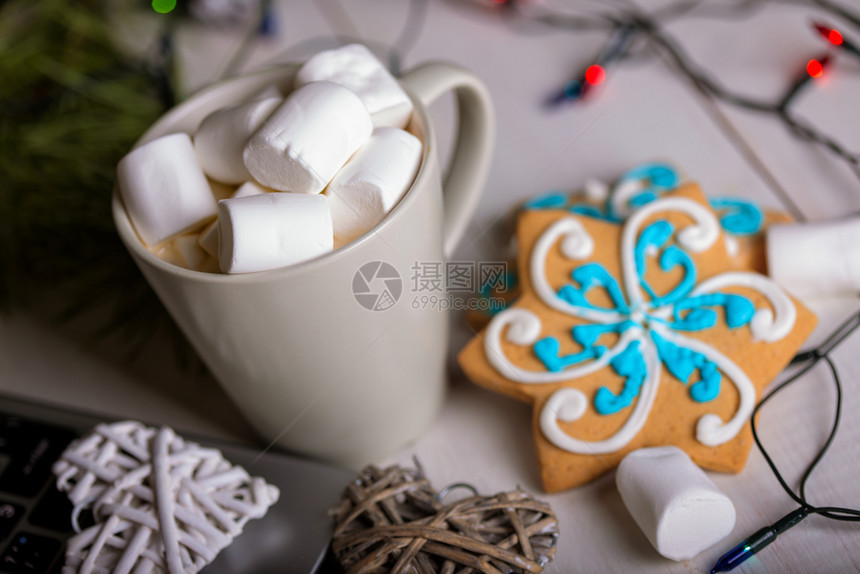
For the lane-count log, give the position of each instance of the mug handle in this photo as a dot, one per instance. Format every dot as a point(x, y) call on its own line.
point(473, 151)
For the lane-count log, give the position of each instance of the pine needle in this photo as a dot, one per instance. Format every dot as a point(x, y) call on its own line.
point(71, 105)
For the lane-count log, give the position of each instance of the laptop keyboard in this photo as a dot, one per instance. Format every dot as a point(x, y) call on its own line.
point(35, 518)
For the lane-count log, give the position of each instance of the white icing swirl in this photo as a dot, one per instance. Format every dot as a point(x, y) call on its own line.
point(622, 192)
point(710, 429)
point(577, 244)
point(524, 328)
point(697, 237)
point(568, 405)
point(765, 325)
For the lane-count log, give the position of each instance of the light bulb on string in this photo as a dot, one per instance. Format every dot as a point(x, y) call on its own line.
point(815, 68)
point(836, 38)
point(814, 71)
point(595, 74)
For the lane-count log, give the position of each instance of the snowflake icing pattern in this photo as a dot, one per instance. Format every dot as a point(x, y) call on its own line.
point(650, 327)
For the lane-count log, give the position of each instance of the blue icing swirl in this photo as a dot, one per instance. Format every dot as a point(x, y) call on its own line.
point(655, 236)
point(551, 200)
point(641, 199)
point(683, 362)
point(740, 217)
point(586, 335)
point(547, 351)
point(628, 363)
point(661, 175)
point(589, 276)
point(673, 257)
point(659, 178)
point(592, 211)
point(738, 309)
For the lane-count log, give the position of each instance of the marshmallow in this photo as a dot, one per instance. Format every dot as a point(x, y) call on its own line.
point(163, 188)
point(222, 135)
point(192, 254)
point(673, 501)
point(209, 236)
point(270, 91)
point(816, 259)
point(272, 230)
point(373, 181)
point(308, 138)
point(356, 68)
point(208, 239)
point(250, 188)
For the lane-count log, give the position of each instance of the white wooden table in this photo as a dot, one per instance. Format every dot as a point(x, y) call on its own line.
point(643, 111)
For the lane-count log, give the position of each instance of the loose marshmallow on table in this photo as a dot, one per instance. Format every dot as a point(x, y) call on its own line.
point(163, 188)
point(222, 135)
point(356, 68)
point(308, 138)
point(816, 259)
point(373, 181)
point(673, 501)
point(272, 230)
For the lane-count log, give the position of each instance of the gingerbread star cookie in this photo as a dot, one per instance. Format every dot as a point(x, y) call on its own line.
point(636, 334)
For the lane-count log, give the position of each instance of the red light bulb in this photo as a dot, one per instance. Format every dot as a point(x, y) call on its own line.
point(815, 69)
point(595, 75)
point(835, 37)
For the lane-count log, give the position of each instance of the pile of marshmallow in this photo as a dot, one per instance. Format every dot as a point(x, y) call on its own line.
point(272, 182)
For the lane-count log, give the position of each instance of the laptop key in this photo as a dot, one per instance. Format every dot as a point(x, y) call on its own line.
point(28, 553)
point(10, 514)
point(33, 448)
point(53, 512)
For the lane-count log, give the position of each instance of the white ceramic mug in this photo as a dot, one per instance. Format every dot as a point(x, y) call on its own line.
point(312, 369)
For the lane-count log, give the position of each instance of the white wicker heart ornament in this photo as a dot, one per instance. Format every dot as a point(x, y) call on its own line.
point(161, 504)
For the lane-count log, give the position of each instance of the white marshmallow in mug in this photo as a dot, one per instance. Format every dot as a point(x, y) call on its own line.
point(373, 181)
point(221, 137)
point(677, 506)
point(208, 239)
point(819, 259)
point(163, 188)
point(356, 68)
point(209, 236)
point(272, 230)
point(250, 188)
point(304, 143)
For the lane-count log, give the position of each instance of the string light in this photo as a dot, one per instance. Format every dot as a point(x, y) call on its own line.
point(836, 38)
point(595, 74)
point(163, 6)
point(832, 35)
point(815, 69)
point(758, 541)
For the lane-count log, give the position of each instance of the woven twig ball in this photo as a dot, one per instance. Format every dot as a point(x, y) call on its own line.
point(391, 520)
point(160, 504)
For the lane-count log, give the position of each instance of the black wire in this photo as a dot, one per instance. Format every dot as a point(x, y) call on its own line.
point(650, 26)
point(812, 358)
